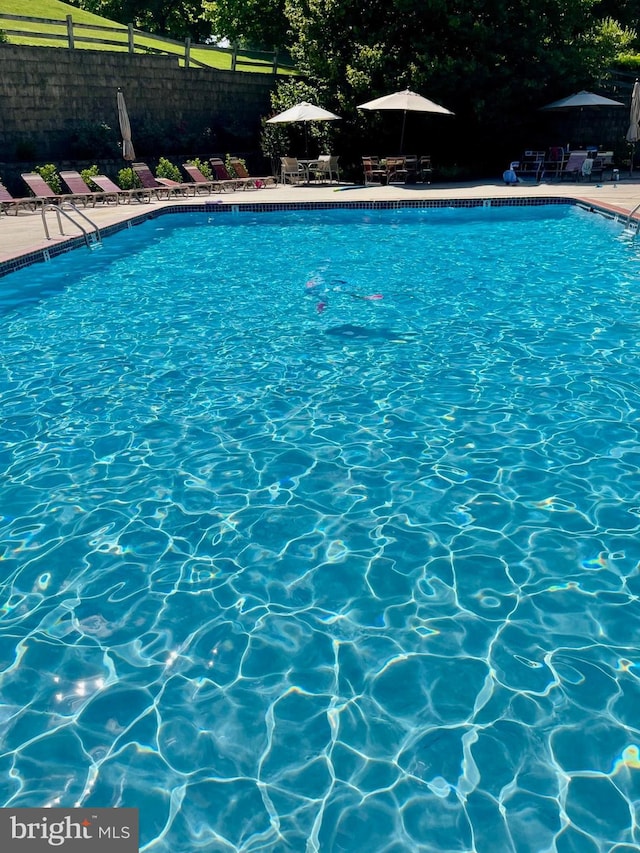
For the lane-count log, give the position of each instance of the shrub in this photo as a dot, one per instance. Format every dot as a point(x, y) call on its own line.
point(128, 180)
point(51, 176)
point(166, 169)
point(204, 167)
point(3, 36)
point(229, 165)
point(87, 174)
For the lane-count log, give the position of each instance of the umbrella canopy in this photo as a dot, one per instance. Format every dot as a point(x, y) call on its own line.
point(580, 100)
point(407, 101)
point(633, 134)
point(125, 128)
point(304, 112)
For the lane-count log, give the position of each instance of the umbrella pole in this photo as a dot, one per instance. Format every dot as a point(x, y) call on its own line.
point(404, 119)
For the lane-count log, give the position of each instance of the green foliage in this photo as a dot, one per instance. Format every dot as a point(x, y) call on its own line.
point(279, 140)
point(258, 23)
point(93, 139)
point(3, 36)
point(203, 166)
point(166, 169)
point(51, 176)
point(628, 62)
point(229, 165)
point(492, 63)
point(128, 180)
point(176, 19)
point(87, 174)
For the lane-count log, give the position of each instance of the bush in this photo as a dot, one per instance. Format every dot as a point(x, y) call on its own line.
point(3, 36)
point(166, 169)
point(128, 180)
point(204, 167)
point(87, 174)
point(51, 176)
point(93, 139)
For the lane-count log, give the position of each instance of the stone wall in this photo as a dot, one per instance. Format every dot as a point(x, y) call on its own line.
point(55, 103)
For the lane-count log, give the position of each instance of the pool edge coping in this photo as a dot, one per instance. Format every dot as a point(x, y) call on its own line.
point(45, 254)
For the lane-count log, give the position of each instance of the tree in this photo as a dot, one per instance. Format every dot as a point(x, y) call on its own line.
point(176, 19)
point(253, 23)
point(493, 62)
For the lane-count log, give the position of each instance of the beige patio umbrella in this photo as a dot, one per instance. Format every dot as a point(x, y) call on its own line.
point(304, 112)
point(633, 134)
point(125, 128)
point(407, 101)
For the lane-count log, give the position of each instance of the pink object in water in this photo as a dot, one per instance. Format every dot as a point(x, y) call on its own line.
point(320, 307)
point(373, 296)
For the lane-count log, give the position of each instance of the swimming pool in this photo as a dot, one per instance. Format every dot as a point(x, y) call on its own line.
point(320, 531)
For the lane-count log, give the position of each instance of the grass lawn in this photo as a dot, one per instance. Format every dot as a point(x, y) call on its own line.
point(57, 10)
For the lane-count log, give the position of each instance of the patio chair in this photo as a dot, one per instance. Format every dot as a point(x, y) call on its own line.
point(107, 185)
point(374, 173)
point(201, 182)
point(572, 169)
point(327, 167)
point(8, 202)
point(396, 171)
point(41, 189)
point(76, 184)
point(224, 178)
point(291, 171)
point(425, 172)
point(593, 167)
point(240, 169)
point(530, 166)
point(555, 162)
point(157, 187)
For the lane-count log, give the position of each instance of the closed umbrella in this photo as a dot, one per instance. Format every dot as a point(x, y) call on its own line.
point(407, 101)
point(125, 128)
point(633, 134)
point(304, 112)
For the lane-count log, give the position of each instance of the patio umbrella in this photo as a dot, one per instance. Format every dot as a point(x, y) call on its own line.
point(633, 134)
point(581, 101)
point(125, 128)
point(304, 112)
point(407, 101)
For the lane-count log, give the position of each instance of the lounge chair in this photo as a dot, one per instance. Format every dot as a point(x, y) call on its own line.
point(291, 171)
point(327, 167)
point(80, 189)
point(573, 167)
point(200, 181)
point(240, 169)
point(374, 173)
point(8, 202)
point(41, 189)
point(107, 185)
point(157, 187)
point(224, 178)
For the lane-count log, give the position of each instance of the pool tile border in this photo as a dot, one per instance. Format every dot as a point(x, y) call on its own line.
point(44, 255)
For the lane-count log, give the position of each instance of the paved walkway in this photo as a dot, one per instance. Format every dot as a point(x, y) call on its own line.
point(24, 233)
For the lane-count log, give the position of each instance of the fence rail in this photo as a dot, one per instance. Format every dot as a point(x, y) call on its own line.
point(72, 34)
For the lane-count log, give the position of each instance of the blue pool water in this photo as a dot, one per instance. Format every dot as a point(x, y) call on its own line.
point(293, 570)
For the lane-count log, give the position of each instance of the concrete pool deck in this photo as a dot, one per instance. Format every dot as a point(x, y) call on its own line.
point(24, 234)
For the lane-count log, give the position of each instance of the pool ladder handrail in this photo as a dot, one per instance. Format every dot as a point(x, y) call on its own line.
point(60, 210)
point(627, 225)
